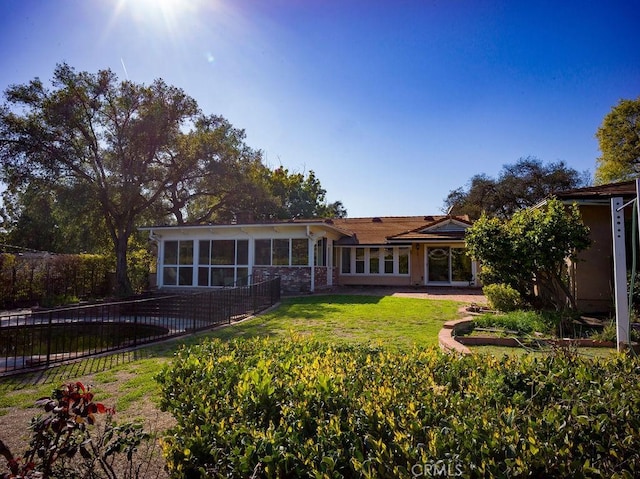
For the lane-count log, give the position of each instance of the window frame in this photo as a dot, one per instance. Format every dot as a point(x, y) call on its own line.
point(277, 247)
point(349, 257)
point(178, 271)
point(211, 269)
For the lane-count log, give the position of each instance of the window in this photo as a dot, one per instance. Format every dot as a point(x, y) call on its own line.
point(438, 264)
point(461, 269)
point(223, 262)
point(447, 265)
point(280, 256)
point(346, 260)
point(359, 260)
point(299, 252)
point(263, 252)
point(375, 260)
point(403, 260)
point(388, 261)
point(223, 252)
point(320, 252)
point(177, 263)
point(282, 252)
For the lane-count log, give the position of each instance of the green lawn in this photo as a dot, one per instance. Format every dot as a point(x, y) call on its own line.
point(390, 321)
point(394, 322)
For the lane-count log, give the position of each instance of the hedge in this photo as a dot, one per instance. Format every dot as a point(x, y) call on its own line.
point(31, 279)
point(300, 408)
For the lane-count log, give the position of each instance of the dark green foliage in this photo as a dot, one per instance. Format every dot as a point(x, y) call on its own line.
point(65, 442)
point(523, 322)
point(502, 297)
point(520, 185)
point(529, 252)
point(28, 280)
point(298, 408)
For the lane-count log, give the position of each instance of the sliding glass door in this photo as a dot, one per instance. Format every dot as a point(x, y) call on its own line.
point(446, 265)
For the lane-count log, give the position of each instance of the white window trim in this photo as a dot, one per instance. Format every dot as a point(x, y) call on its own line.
point(271, 265)
point(450, 282)
point(381, 263)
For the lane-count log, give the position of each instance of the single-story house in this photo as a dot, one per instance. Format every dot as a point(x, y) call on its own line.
point(315, 254)
point(592, 274)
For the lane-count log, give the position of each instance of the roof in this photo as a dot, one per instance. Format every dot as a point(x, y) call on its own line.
point(364, 231)
point(393, 229)
point(600, 192)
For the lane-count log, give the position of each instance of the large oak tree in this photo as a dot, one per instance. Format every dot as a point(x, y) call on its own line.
point(106, 155)
point(116, 139)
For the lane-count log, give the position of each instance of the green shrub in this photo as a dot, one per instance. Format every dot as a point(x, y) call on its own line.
point(299, 408)
point(609, 333)
point(66, 441)
point(523, 322)
point(502, 297)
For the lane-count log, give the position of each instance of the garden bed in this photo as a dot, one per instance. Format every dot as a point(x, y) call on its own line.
point(525, 329)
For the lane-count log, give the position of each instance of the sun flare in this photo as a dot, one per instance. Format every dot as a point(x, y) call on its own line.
point(160, 13)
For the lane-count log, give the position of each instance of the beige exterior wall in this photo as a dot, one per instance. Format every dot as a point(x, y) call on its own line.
point(374, 280)
point(592, 272)
point(416, 268)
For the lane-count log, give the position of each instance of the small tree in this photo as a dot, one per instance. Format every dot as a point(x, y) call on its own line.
point(530, 251)
point(65, 442)
point(619, 142)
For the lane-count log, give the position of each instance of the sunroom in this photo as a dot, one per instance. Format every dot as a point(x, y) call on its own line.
point(316, 254)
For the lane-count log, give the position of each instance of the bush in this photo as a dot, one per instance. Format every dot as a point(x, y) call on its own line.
point(524, 322)
point(66, 443)
point(299, 408)
point(610, 333)
point(49, 279)
point(502, 297)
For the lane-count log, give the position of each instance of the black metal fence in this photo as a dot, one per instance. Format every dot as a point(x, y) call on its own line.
point(40, 338)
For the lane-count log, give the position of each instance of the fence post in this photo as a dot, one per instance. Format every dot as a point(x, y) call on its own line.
point(193, 312)
point(49, 337)
point(135, 324)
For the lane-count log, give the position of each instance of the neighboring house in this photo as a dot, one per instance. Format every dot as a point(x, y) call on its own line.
point(317, 254)
point(592, 274)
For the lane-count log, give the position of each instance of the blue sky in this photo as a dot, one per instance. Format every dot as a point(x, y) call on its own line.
point(392, 103)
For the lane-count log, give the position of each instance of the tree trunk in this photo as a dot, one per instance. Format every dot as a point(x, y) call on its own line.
point(123, 284)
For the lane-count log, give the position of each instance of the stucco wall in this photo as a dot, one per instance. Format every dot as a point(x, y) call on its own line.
point(374, 280)
point(594, 268)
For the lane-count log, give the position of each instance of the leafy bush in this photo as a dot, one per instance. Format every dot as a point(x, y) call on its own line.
point(299, 408)
point(502, 297)
point(524, 322)
point(63, 443)
point(49, 279)
point(609, 333)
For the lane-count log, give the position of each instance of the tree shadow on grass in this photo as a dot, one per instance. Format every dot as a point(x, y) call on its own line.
point(62, 373)
point(310, 307)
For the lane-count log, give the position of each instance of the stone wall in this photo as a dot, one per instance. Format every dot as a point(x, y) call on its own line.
point(294, 279)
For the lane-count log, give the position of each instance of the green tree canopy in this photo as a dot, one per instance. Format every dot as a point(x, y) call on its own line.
point(519, 185)
point(619, 142)
point(529, 251)
point(93, 157)
point(117, 139)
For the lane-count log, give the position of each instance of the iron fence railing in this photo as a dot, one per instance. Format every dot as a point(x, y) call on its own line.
point(40, 338)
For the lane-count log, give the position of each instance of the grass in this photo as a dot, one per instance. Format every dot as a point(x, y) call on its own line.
point(128, 378)
point(499, 351)
point(524, 322)
point(396, 322)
